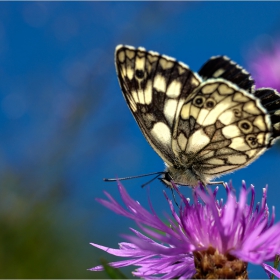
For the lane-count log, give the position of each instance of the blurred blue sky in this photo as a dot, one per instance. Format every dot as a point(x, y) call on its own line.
point(64, 123)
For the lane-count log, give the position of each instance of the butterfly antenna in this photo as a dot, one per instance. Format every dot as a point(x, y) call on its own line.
point(133, 177)
point(151, 180)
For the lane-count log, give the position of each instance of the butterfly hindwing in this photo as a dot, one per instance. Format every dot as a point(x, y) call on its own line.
point(155, 87)
point(270, 99)
point(220, 128)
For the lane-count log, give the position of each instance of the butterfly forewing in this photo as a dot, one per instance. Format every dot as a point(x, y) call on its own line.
point(201, 127)
point(155, 87)
point(223, 67)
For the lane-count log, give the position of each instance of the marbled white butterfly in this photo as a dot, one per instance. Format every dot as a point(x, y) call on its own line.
point(202, 125)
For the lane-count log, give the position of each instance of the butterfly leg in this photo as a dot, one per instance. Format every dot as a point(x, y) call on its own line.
point(218, 183)
point(173, 194)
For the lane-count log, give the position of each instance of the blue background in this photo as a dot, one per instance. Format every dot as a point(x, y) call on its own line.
point(65, 125)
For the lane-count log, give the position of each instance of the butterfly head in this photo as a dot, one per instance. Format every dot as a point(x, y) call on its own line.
point(183, 176)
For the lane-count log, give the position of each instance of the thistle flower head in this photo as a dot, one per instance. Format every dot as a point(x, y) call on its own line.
point(265, 68)
point(208, 238)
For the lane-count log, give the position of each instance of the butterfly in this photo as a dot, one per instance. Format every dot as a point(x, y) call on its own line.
point(204, 124)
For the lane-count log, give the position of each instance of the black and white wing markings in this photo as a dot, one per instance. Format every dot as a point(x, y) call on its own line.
point(155, 87)
point(229, 129)
point(200, 128)
point(270, 99)
point(224, 67)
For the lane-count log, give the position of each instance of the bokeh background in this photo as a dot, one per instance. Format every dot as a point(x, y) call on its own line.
point(65, 125)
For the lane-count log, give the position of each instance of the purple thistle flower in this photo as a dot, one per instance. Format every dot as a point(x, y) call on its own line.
point(206, 239)
point(265, 68)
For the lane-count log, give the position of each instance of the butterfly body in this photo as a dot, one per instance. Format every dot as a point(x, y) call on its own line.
point(202, 125)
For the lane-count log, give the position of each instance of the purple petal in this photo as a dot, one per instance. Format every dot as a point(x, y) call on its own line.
point(232, 226)
point(271, 270)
